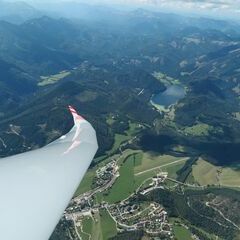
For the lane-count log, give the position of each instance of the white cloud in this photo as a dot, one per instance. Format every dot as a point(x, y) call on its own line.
point(202, 4)
point(217, 7)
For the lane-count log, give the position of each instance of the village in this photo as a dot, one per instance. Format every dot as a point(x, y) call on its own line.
point(129, 214)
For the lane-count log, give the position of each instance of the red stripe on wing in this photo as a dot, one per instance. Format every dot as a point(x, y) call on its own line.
point(74, 113)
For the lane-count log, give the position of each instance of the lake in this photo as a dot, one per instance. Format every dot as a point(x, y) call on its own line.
point(170, 96)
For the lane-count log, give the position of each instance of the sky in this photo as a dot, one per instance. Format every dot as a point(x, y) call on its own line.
point(217, 8)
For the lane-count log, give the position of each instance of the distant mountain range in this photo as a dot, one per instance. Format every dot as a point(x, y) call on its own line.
point(17, 12)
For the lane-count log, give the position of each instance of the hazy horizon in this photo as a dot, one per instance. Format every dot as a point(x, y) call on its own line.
point(217, 9)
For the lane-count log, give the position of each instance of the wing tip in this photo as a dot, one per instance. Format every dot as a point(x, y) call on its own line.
point(74, 113)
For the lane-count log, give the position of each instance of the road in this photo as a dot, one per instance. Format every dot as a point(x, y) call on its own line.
point(187, 184)
point(3, 143)
point(227, 219)
point(76, 230)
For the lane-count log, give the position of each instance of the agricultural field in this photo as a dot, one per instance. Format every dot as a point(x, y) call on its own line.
point(124, 185)
point(180, 229)
point(206, 173)
point(135, 169)
point(121, 138)
point(108, 225)
point(181, 233)
point(52, 79)
point(165, 79)
point(183, 230)
point(99, 227)
point(200, 129)
point(118, 140)
point(86, 184)
point(86, 230)
point(174, 168)
point(149, 160)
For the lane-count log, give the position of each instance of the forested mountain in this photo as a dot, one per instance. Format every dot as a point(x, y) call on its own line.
point(107, 57)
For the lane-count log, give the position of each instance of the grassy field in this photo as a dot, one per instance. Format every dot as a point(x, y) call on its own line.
point(133, 129)
point(138, 180)
point(181, 233)
point(172, 169)
point(200, 129)
point(87, 227)
point(150, 160)
point(97, 228)
point(206, 173)
point(108, 225)
point(118, 140)
point(121, 138)
point(124, 185)
point(84, 236)
point(101, 227)
point(128, 181)
point(86, 184)
point(47, 80)
point(165, 79)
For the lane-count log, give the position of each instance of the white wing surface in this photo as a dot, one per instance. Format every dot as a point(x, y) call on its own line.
point(36, 187)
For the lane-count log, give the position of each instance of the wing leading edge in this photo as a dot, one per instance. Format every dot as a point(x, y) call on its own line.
point(36, 187)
